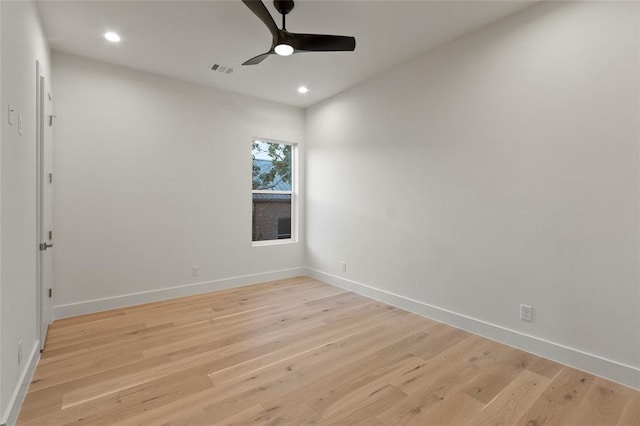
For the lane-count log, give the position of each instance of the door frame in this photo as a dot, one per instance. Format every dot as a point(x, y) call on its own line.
point(41, 92)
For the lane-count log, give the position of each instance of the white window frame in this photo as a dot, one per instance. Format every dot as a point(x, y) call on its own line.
point(293, 193)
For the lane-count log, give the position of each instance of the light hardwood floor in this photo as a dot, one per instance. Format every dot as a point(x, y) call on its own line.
point(298, 351)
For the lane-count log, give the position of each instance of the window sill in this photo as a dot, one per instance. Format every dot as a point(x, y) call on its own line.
point(273, 242)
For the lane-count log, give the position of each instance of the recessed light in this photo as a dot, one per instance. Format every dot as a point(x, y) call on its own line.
point(283, 50)
point(302, 89)
point(112, 37)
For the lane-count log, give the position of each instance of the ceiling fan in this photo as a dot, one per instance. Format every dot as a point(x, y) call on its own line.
point(285, 43)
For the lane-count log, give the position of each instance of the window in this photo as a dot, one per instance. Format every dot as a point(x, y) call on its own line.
point(273, 179)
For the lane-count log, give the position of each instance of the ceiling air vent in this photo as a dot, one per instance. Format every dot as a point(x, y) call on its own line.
point(221, 68)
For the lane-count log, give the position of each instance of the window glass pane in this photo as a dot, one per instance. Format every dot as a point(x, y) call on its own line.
point(272, 169)
point(271, 216)
point(284, 228)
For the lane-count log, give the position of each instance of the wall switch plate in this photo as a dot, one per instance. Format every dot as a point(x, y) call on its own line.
point(343, 266)
point(195, 271)
point(10, 115)
point(526, 313)
point(20, 123)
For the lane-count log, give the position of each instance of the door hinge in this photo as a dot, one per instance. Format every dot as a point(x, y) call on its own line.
point(44, 246)
point(50, 292)
point(50, 177)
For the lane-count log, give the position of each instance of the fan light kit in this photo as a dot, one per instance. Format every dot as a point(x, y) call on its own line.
point(284, 43)
point(112, 37)
point(283, 50)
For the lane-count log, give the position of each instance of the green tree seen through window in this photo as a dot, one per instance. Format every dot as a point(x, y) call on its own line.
point(279, 155)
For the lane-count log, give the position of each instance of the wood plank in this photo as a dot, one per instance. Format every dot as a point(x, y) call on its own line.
point(513, 401)
point(602, 405)
point(560, 400)
point(453, 410)
point(495, 377)
point(630, 415)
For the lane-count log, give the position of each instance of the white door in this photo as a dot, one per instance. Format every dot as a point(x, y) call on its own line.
point(46, 122)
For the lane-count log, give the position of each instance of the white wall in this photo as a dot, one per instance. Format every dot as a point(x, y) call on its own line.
point(152, 177)
point(22, 44)
point(497, 170)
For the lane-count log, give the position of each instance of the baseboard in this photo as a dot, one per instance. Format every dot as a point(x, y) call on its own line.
point(105, 304)
point(15, 403)
point(611, 370)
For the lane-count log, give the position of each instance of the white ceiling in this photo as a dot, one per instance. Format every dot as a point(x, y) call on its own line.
point(181, 39)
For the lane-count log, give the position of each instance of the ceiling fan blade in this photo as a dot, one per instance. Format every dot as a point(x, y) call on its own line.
point(322, 42)
point(256, 60)
point(260, 10)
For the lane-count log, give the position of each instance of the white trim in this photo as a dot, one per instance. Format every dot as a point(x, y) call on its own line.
point(39, 224)
point(271, 192)
point(43, 303)
point(107, 303)
point(263, 243)
point(271, 140)
point(625, 374)
point(20, 391)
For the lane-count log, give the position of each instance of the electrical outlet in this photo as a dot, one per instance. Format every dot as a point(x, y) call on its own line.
point(526, 313)
point(195, 271)
point(20, 353)
point(343, 266)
